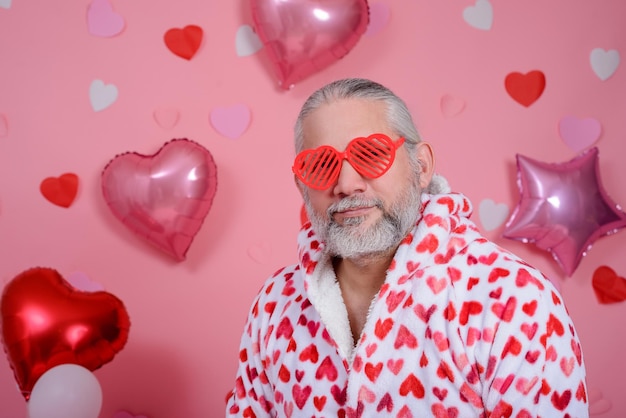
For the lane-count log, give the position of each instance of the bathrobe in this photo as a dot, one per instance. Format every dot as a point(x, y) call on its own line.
point(460, 328)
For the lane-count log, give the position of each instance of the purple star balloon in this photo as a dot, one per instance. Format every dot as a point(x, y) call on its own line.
point(563, 208)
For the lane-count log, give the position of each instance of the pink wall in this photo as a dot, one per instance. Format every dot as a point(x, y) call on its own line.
point(187, 316)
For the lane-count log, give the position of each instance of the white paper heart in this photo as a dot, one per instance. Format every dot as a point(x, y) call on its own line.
point(247, 42)
point(579, 134)
point(231, 121)
point(5, 4)
point(604, 63)
point(166, 117)
point(480, 15)
point(492, 214)
point(451, 106)
point(102, 95)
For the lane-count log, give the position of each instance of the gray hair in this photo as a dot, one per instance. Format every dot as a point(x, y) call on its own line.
point(398, 115)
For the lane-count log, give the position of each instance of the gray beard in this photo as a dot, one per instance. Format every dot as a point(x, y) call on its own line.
point(350, 240)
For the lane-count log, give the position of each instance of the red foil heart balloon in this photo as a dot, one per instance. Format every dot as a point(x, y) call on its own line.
point(46, 323)
point(303, 37)
point(164, 197)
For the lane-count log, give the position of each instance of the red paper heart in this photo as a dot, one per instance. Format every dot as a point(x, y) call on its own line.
point(304, 37)
point(184, 42)
point(163, 197)
point(525, 88)
point(46, 322)
point(608, 286)
point(60, 190)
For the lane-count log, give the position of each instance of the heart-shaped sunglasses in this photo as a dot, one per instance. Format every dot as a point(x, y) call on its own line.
point(370, 156)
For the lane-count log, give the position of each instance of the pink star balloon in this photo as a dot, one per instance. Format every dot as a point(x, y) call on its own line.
point(563, 208)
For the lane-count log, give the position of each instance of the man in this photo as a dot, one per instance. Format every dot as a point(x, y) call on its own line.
point(398, 307)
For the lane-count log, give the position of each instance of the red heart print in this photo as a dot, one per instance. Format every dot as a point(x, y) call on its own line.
point(608, 286)
point(60, 190)
point(184, 42)
point(163, 197)
point(525, 88)
point(46, 323)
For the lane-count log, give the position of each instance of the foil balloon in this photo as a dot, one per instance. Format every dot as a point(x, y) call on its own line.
point(563, 208)
point(46, 322)
point(303, 37)
point(163, 197)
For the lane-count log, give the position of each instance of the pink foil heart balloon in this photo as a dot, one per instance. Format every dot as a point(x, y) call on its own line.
point(162, 197)
point(303, 37)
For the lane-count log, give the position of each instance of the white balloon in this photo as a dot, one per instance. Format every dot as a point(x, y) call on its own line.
point(66, 391)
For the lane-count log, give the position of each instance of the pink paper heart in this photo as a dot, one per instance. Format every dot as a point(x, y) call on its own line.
point(231, 121)
point(102, 20)
point(166, 117)
point(579, 134)
point(83, 282)
point(379, 17)
point(163, 197)
point(4, 126)
point(451, 106)
point(260, 252)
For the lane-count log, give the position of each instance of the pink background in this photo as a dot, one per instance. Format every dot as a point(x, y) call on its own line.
point(187, 316)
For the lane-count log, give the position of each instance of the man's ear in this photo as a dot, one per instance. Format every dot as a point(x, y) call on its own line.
point(426, 158)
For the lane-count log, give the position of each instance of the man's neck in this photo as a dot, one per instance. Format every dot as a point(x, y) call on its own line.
point(365, 274)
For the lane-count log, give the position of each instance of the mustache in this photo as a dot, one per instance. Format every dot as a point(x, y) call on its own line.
point(353, 202)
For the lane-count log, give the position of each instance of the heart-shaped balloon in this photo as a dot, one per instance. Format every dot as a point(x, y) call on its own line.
point(303, 37)
point(163, 197)
point(46, 322)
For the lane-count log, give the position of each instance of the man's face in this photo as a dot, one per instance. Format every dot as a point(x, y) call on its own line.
point(358, 216)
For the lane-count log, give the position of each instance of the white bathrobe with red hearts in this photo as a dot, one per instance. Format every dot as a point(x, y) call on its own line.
point(460, 328)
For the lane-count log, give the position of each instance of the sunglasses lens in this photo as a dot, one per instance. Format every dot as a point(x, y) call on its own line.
point(317, 168)
point(371, 156)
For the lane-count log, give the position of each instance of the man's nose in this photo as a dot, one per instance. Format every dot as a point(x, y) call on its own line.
point(349, 181)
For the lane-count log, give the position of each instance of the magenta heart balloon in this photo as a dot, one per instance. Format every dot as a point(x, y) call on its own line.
point(162, 197)
point(303, 37)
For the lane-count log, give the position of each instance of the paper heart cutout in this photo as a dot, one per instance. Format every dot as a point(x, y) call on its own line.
point(4, 126)
point(480, 15)
point(231, 121)
point(579, 134)
point(61, 190)
point(5, 4)
point(608, 286)
point(525, 88)
point(246, 41)
point(304, 37)
point(102, 20)
point(604, 63)
point(260, 252)
point(598, 404)
point(492, 214)
point(102, 95)
point(451, 106)
point(126, 414)
point(81, 281)
point(166, 117)
point(46, 322)
point(379, 18)
point(184, 42)
point(163, 197)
